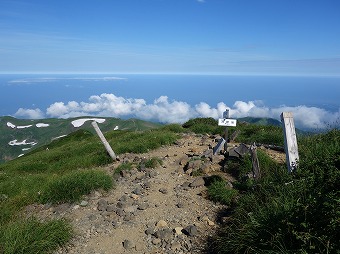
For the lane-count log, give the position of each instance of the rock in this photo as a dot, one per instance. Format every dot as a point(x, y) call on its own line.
point(134, 196)
point(190, 230)
point(178, 230)
point(119, 212)
point(164, 233)
point(137, 191)
point(163, 190)
point(102, 204)
point(176, 246)
point(147, 185)
point(124, 173)
point(185, 184)
point(242, 150)
point(150, 231)
point(128, 244)
point(130, 209)
point(161, 224)
point(180, 205)
point(199, 181)
point(123, 198)
point(121, 204)
point(84, 203)
point(143, 206)
point(156, 241)
point(110, 208)
point(183, 160)
point(76, 207)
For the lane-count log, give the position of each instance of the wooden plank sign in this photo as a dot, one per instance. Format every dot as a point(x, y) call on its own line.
point(291, 147)
point(227, 122)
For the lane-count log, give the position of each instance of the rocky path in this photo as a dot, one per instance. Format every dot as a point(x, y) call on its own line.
point(160, 210)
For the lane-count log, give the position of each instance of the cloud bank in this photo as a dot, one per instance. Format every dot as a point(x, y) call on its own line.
point(171, 111)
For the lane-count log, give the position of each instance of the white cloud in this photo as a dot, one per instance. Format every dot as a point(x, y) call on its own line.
point(29, 113)
point(171, 111)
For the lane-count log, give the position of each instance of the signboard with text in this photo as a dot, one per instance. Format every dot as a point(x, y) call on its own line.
point(227, 122)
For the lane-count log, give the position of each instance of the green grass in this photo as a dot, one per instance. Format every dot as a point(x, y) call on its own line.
point(64, 172)
point(249, 133)
point(289, 213)
point(219, 192)
point(80, 182)
point(31, 236)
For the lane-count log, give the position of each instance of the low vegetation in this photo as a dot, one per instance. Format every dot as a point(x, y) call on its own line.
point(288, 212)
point(248, 133)
point(62, 171)
point(280, 213)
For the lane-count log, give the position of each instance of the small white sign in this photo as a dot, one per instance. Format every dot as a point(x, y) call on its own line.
point(227, 122)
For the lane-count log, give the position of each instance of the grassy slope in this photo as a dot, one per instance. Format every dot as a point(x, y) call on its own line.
point(48, 175)
point(56, 128)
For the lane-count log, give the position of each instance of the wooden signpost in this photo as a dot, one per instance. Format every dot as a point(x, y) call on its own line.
point(104, 141)
point(291, 147)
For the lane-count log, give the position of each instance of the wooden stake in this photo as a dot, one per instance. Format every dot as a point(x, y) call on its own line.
point(291, 147)
point(255, 162)
point(104, 141)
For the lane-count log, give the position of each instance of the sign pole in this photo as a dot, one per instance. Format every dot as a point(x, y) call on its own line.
point(291, 147)
point(225, 121)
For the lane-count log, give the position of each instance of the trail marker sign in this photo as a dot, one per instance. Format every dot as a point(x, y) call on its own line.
point(227, 122)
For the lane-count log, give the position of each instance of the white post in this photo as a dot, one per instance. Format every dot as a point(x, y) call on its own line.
point(291, 147)
point(104, 141)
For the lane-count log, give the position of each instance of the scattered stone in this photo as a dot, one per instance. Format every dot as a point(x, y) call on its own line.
point(199, 181)
point(147, 185)
point(185, 184)
point(150, 231)
point(102, 204)
point(137, 191)
point(130, 209)
point(143, 206)
point(76, 207)
point(111, 208)
point(164, 233)
point(178, 230)
point(92, 217)
point(180, 205)
point(121, 204)
point(163, 190)
point(161, 224)
point(123, 198)
point(190, 230)
point(156, 241)
point(128, 244)
point(134, 196)
point(84, 203)
point(183, 160)
point(176, 246)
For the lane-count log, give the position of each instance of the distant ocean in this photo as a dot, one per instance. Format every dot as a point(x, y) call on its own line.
point(40, 91)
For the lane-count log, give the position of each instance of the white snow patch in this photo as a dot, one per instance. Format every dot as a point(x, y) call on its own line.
point(25, 149)
point(25, 126)
point(9, 124)
point(40, 125)
point(80, 122)
point(116, 128)
point(59, 137)
point(16, 143)
point(20, 155)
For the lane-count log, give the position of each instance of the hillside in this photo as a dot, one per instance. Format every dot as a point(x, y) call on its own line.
point(19, 136)
point(168, 193)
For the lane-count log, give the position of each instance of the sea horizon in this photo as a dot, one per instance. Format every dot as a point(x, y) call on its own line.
point(148, 96)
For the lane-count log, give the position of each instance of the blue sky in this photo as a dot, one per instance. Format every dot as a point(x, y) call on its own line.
point(262, 37)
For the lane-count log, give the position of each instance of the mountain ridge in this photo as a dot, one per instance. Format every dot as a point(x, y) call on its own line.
point(19, 136)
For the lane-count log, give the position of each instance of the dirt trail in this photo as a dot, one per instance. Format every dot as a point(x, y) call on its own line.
point(161, 210)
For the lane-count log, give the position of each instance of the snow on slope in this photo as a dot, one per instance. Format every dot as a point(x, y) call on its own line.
point(16, 143)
